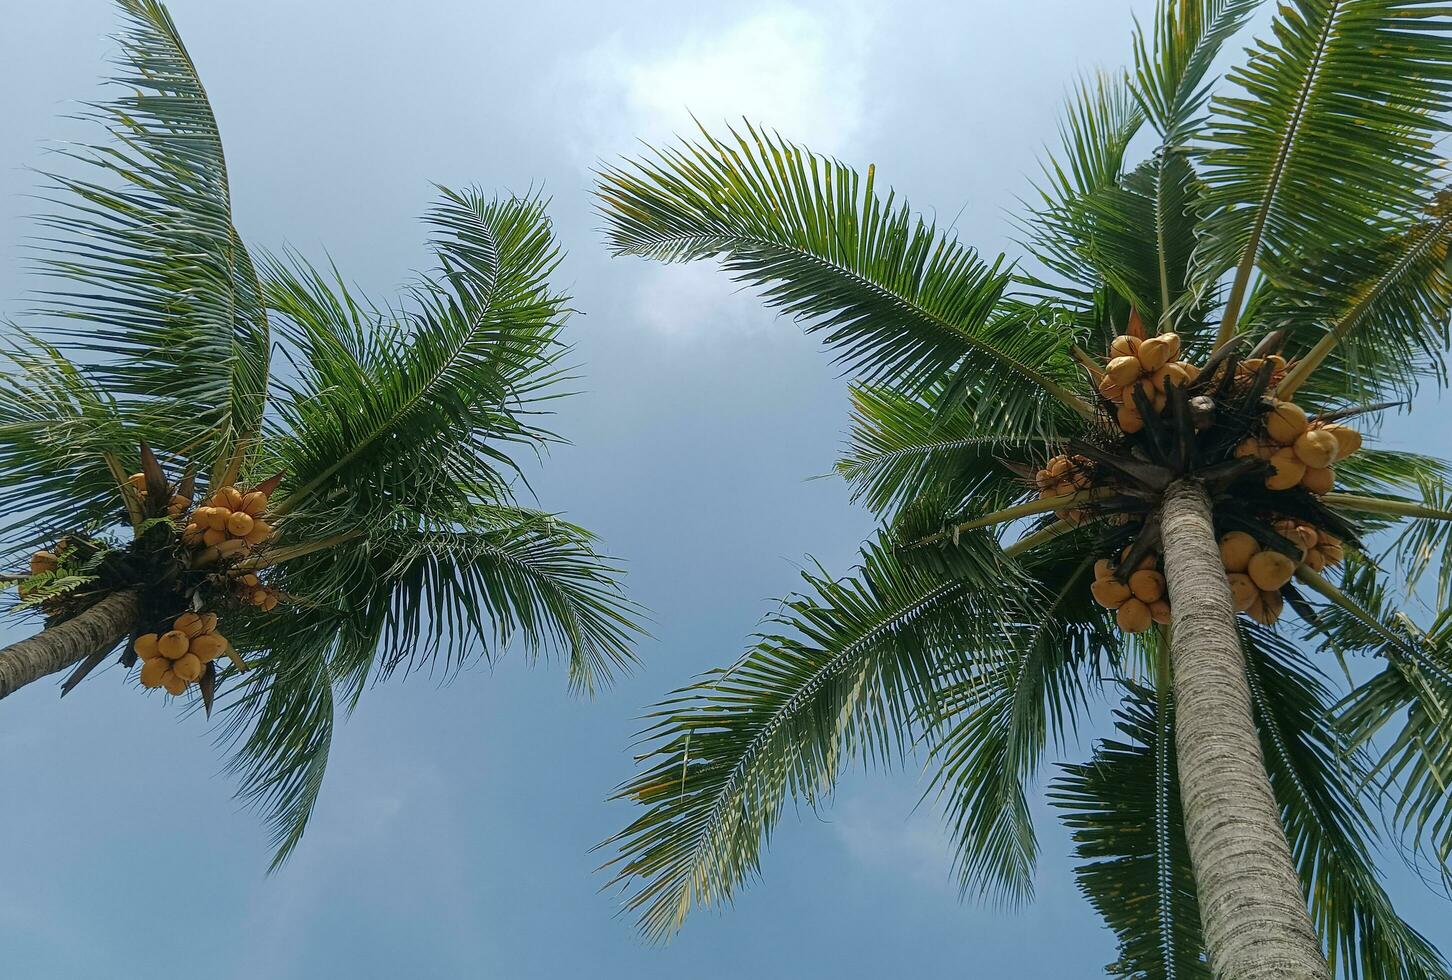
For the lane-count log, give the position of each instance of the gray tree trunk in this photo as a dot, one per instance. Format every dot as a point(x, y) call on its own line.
point(1254, 915)
point(95, 630)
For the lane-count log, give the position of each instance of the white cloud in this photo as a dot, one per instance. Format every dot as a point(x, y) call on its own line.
point(879, 836)
point(785, 67)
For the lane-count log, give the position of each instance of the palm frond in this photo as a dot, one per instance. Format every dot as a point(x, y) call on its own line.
point(1123, 807)
point(57, 426)
point(904, 447)
point(1316, 774)
point(153, 282)
point(897, 298)
point(1171, 62)
point(417, 409)
point(843, 673)
point(1330, 137)
point(996, 721)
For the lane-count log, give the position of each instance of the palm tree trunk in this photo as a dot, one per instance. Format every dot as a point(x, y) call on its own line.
point(95, 630)
point(1254, 915)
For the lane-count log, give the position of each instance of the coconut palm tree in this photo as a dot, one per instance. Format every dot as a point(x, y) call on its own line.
point(1155, 412)
point(272, 490)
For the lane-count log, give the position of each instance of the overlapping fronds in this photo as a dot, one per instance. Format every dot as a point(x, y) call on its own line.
point(844, 671)
point(57, 425)
point(895, 296)
point(1316, 776)
point(1329, 138)
point(151, 279)
point(1172, 60)
point(904, 447)
point(1123, 807)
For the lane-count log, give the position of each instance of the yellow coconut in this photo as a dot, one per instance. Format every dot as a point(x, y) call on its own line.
point(145, 646)
point(1147, 585)
point(1270, 570)
point(1267, 608)
point(1129, 418)
point(1348, 440)
point(1160, 612)
point(209, 622)
point(208, 647)
point(174, 685)
point(230, 497)
point(1300, 534)
point(1242, 590)
point(1172, 341)
point(192, 535)
point(1317, 448)
point(1315, 560)
point(1318, 481)
point(1286, 422)
point(1249, 446)
point(1134, 616)
point(1286, 470)
point(1332, 550)
point(189, 623)
point(188, 668)
point(1192, 373)
point(1110, 592)
point(254, 503)
point(251, 577)
point(1110, 390)
point(212, 537)
point(1236, 550)
point(43, 561)
point(153, 670)
point(172, 644)
point(1124, 346)
point(270, 604)
point(1153, 353)
point(239, 524)
point(1123, 371)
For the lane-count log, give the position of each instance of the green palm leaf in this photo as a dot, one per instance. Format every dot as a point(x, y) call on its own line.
point(1330, 136)
point(897, 298)
point(1123, 807)
point(417, 409)
point(855, 661)
point(153, 280)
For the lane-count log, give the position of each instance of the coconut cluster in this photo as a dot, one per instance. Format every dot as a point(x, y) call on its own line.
point(176, 658)
point(251, 590)
point(230, 520)
point(1137, 383)
point(1061, 475)
point(1150, 364)
point(1301, 452)
point(1139, 600)
point(178, 505)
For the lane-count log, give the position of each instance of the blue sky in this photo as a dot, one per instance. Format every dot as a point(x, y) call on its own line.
point(452, 839)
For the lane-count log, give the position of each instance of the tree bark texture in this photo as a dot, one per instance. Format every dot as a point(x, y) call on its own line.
point(94, 630)
point(1254, 914)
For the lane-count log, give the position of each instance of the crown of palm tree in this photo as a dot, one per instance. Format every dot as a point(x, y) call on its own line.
point(1302, 208)
point(400, 540)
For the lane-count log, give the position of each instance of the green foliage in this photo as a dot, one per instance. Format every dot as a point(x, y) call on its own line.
point(1302, 196)
point(398, 429)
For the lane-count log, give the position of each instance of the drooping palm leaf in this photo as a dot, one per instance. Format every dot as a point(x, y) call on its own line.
point(847, 668)
point(996, 722)
point(897, 298)
point(1316, 774)
point(1123, 807)
point(152, 280)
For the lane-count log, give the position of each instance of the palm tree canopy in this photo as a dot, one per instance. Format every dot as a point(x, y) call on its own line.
point(1299, 199)
point(400, 541)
